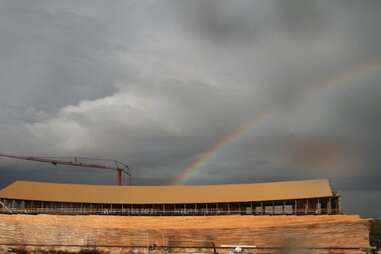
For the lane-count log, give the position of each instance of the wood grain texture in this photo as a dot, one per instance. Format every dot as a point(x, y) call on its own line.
point(316, 231)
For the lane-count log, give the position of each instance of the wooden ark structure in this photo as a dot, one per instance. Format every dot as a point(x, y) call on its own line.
point(276, 198)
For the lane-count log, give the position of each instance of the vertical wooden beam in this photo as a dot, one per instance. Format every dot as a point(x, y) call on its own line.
point(329, 206)
point(318, 206)
point(307, 207)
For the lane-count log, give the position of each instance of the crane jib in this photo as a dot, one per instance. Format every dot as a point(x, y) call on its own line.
point(119, 166)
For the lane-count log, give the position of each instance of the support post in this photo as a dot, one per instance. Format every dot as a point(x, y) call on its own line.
point(120, 176)
point(306, 207)
point(329, 206)
point(318, 209)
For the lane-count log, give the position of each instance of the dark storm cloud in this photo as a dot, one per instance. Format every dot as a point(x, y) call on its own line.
point(248, 21)
point(158, 83)
point(51, 59)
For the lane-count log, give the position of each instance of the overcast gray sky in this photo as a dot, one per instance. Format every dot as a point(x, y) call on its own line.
point(158, 83)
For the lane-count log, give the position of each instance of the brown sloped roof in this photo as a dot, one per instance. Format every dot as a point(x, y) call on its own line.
point(176, 194)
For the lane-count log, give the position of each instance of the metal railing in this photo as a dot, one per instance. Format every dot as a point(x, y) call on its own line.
point(163, 212)
point(4, 207)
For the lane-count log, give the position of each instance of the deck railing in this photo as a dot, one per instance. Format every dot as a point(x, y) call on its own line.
point(160, 212)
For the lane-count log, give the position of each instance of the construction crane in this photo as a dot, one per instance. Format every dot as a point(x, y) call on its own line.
point(118, 166)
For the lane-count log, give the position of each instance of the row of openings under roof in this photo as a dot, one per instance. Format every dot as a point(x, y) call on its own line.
point(326, 205)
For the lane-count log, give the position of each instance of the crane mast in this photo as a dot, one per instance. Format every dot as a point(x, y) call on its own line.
point(117, 166)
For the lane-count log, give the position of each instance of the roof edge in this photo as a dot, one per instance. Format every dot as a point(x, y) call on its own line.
point(185, 185)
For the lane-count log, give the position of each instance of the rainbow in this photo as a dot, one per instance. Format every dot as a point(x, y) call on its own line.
point(196, 165)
